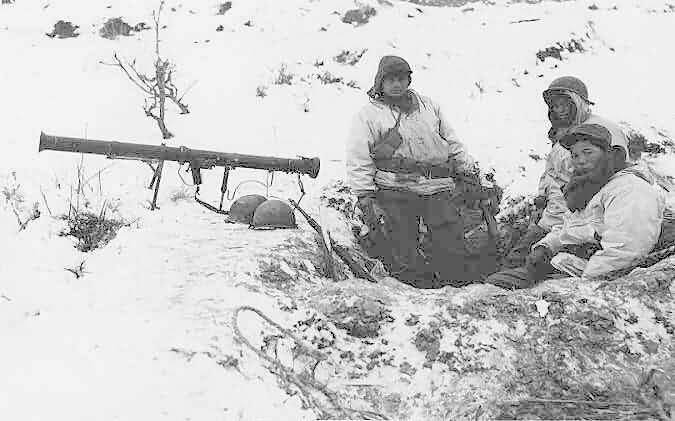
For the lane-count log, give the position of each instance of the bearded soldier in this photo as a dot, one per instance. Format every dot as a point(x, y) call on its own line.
point(568, 106)
point(615, 218)
point(402, 160)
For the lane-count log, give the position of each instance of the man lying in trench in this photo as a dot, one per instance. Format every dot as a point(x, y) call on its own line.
point(616, 215)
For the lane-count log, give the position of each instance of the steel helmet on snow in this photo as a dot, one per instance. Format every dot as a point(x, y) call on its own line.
point(243, 208)
point(273, 213)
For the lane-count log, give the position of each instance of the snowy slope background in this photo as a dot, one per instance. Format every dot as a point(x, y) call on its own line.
point(144, 333)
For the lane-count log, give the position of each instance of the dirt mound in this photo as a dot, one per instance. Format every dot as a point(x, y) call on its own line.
point(562, 350)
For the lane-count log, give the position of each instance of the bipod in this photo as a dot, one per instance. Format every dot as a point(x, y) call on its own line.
point(197, 181)
point(209, 206)
point(223, 186)
point(302, 191)
point(223, 190)
point(156, 179)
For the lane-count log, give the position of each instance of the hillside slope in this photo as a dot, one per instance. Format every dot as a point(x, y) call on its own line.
point(146, 331)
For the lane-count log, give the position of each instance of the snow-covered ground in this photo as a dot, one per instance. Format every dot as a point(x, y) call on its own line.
point(145, 332)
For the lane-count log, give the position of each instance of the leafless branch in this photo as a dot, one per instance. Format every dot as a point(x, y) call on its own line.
point(525, 20)
point(187, 90)
point(45, 200)
point(155, 17)
point(137, 81)
point(173, 94)
point(98, 173)
point(158, 87)
point(148, 83)
point(78, 270)
point(23, 224)
point(18, 218)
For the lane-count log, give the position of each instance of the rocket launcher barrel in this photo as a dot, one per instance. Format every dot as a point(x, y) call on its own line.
point(195, 157)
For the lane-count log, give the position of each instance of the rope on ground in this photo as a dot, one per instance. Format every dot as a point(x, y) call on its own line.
point(305, 385)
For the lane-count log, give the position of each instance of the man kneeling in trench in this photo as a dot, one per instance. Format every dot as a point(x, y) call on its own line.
point(616, 215)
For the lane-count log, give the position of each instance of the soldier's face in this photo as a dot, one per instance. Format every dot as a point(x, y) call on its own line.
point(561, 105)
point(587, 157)
point(395, 85)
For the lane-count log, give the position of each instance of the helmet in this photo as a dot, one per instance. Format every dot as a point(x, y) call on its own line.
point(568, 83)
point(273, 213)
point(243, 208)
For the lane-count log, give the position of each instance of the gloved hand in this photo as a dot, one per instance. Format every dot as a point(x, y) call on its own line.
point(373, 214)
point(541, 201)
point(471, 181)
point(471, 188)
point(538, 262)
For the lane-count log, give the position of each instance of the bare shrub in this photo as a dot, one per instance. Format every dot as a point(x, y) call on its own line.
point(78, 270)
point(261, 91)
point(349, 57)
point(359, 16)
point(276, 274)
point(14, 199)
point(224, 7)
point(328, 78)
point(91, 220)
point(64, 29)
point(115, 27)
point(284, 77)
point(638, 143)
point(92, 230)
point(555, 51)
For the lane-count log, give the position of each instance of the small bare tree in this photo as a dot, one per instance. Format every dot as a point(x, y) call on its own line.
point(158, 87)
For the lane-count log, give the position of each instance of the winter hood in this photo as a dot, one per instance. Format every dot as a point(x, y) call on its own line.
point(388, 65)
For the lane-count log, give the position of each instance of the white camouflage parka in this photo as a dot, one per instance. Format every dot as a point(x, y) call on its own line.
point(427, 137)
point(558, 168)
point(625, 215)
